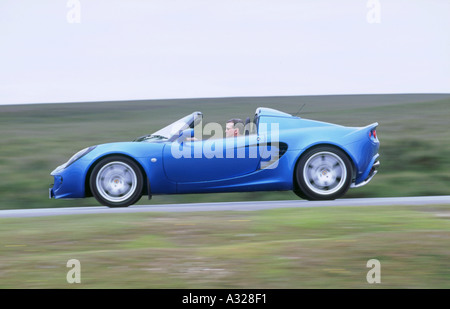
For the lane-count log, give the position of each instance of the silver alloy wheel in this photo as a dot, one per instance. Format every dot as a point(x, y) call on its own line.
point(116, 181)
point(325, 173)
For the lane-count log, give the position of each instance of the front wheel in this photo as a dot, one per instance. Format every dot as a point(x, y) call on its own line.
point(116, 182)
point(323, 173)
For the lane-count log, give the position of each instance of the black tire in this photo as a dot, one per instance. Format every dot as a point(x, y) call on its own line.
point(300, 194)
point(116, 181)
point(323, 173)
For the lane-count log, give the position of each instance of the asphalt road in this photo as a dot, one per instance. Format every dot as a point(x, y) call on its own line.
point(235, 206)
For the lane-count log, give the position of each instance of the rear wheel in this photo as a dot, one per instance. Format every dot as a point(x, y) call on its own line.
point(117, 182)
point(323, 173)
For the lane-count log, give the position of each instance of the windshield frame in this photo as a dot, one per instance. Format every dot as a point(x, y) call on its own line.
point(172, 131)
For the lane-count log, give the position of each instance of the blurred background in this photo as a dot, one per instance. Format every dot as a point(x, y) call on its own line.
point(76, 73)
point(413, 132)
point(127, 68)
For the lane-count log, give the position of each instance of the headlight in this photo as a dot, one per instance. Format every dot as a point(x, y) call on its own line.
point(78, 155)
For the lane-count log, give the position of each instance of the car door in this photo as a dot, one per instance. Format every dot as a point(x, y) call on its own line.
point(212, 159)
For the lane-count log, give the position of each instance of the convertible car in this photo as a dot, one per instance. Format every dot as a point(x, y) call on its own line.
point(276, 152)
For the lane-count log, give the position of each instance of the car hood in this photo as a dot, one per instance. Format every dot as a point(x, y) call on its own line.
point(135, 149)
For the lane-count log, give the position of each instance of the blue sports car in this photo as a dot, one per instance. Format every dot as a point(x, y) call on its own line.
point(275, 152)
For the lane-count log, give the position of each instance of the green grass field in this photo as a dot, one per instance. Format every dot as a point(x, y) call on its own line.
point(414, 134)
point(322, 247)
point(289, 248)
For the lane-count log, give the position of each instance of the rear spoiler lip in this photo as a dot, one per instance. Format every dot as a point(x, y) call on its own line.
point(359, 130)
point(373, 125)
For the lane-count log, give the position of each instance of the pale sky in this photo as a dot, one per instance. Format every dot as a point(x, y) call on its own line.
point(160, 49)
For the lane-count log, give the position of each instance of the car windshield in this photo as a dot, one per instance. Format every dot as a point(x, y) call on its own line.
point(172, 131)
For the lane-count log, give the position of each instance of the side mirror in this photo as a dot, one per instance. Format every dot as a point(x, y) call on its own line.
point(185, 134)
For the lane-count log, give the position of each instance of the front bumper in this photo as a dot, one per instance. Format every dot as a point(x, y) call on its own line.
point(68, 182)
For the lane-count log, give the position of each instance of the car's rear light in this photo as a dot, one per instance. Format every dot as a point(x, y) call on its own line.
point(373, 134)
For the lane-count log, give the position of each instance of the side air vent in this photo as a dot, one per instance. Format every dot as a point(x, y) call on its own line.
point(273, 153)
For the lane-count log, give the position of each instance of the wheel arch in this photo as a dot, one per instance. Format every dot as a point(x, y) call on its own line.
point(294, 176)
point(87, 188)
